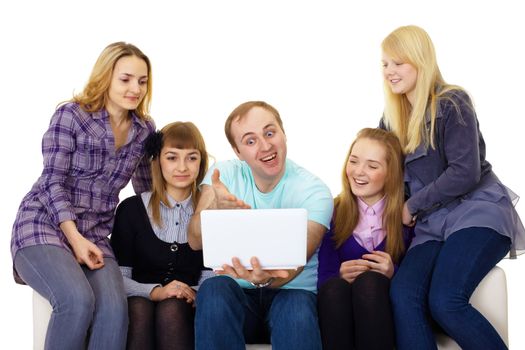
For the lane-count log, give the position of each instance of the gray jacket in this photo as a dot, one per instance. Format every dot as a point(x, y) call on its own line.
point(452, 186)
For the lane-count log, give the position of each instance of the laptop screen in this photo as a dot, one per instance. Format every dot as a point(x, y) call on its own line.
point(277, 237)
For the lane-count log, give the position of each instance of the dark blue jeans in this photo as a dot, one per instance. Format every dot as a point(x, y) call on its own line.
point(436, 280)
point(228, 317)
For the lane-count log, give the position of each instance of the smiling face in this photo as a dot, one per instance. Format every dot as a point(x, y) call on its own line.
point(261, 143)
point(129, 84)
point(180, 168)
point(400, 76)
point(366, 170)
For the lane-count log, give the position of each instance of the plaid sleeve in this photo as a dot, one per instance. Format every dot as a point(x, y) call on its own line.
point(58, 144)
point(141, 179)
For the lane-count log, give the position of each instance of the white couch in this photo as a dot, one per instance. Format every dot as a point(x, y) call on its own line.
point(490, 298)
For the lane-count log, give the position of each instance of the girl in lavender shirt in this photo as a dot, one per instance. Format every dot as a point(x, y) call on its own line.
point(365, 243)
point(92, 148)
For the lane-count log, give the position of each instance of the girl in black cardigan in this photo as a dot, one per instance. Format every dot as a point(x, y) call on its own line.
point(150, 242)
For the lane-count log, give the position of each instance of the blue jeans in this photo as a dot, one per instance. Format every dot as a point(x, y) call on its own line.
point(435, 281)
point(229, 316)
point(84, 301)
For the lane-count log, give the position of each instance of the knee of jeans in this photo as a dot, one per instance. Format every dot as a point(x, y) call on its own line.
point(219, 289)
point(406, 295)
point(298, 307)
point(115, 305)
point(443, 304)
point(77, 302)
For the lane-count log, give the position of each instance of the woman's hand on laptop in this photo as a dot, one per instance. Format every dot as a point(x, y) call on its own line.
point(256, 276)
point(223, 198)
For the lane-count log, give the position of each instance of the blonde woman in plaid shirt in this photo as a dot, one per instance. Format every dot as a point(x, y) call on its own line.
point(92, 148)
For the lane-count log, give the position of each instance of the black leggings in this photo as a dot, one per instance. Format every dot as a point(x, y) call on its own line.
point(357, 315)
point(160, 325)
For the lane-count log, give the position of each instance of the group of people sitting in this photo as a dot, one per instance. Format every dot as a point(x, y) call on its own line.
point(420, 220)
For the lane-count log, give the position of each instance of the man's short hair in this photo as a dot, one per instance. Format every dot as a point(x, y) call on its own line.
point(242, 110)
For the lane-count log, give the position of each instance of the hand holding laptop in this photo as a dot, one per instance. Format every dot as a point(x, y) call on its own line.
point(256, 275)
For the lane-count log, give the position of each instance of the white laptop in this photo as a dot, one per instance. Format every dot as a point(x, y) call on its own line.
point(277, 237)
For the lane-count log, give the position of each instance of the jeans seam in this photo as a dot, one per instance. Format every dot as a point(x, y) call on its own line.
point(52, 299)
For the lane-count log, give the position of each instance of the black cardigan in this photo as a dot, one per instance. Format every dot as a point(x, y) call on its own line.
point(153, 260)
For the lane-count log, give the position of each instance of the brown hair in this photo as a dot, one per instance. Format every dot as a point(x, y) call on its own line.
point(181, 135)
point(346, 213)
point(95, 94)
point(241, 111)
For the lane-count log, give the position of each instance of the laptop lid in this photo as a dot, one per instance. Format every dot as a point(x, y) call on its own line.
point(277, 237)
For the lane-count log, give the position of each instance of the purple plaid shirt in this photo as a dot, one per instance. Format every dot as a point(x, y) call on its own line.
point(81, 180)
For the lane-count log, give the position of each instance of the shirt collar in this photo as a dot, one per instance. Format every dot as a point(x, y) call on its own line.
point(100, 114)
point(376, 209)
point(103, 113)
point(137, 120)
point(173, 203)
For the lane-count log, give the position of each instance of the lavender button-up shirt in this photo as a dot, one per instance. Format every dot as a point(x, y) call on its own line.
point(369, 232)
point(82, 177)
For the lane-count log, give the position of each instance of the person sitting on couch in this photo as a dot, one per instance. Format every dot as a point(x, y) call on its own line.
point(261, 306)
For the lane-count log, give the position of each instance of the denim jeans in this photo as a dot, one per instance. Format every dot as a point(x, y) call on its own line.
point(83, 300)
point(435, 281)
point(229, 316)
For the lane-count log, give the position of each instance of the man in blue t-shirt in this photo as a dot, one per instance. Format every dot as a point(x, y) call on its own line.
point(260, 305)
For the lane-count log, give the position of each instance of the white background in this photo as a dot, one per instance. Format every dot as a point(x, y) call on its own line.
point(317, 62)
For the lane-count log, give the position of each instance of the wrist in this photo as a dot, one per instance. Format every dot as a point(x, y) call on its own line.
point(154, 293)
point(263, 284)
point(76, 241)
point(413, 212)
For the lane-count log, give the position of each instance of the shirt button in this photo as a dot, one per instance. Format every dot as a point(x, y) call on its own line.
point(176, 224)
point(174, 247)
point(177, 205)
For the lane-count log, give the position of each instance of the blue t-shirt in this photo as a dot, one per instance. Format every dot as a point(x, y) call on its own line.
point(298, 188)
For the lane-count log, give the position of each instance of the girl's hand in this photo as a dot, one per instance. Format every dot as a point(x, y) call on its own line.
point(87, 253)
point(350, 269)
point(381, 262)
point(174, 289)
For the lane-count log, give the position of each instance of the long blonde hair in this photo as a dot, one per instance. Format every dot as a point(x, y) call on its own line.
point(346, 213)
point(181, 135)
point(95, 94)
point(412, 44)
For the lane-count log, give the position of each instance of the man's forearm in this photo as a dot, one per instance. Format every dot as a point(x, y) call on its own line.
point(316, 232)
point(279, 282)
point(194, 232)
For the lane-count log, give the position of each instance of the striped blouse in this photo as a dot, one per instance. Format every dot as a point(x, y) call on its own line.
point(175, 221)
